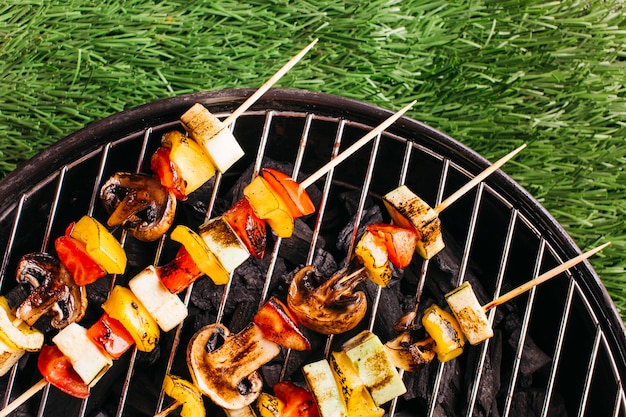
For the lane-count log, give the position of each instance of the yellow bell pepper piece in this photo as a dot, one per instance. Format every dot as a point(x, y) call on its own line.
point(192, 163)
point(199, 251)
point(372, 253)
point(185, 393)
point(124, 307)
point(269, 206)
point(356, 398)
point(101, 245)
point(16, 334)
point(445, 331)
point(269, 406)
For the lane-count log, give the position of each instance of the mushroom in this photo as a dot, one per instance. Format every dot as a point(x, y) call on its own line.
point(52, 289)
point(224, 366)
point(409, 352)
point(140, 203)
point(330, 306)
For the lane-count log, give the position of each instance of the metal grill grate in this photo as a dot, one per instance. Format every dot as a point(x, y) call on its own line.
point(500, 234)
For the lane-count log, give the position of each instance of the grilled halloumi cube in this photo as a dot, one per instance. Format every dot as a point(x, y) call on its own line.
point(166, 308)
point(321, 382)
point(376, 370)
point(218, 141)
point(8, 357)
point(224, 243)
point(408, 210)
point(372, 253)
point(469, 313)
point(89, 362)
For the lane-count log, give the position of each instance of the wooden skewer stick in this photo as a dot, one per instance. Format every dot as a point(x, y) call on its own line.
point(23, 398)
point(268, 84)
point(168, 410)
point(476, 180)
point(355, 146)
point(543, 277)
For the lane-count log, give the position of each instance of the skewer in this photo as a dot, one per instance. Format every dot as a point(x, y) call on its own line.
point(168, 410)
point(543, 277)
point(476, 180)
point(268, 84)
point(23, 398)
point(355, 146)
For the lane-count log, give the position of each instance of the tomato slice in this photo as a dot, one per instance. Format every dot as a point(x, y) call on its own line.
point(248, 226)
point(296, 198)
point(110, 335)
point(57, 369)
point(165, 170)
point(400, 242)
point(73, 254)
point(298, 402)
point(180, 272)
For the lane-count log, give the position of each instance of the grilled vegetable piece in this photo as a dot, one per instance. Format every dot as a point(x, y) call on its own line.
point(17, 336)
point(89, 362)
point(185, 393)
point(469, 313)
point(53, 288)
point(356, 398)
point(201, 254)
point(224, 243)
point(408, 353)
point(166, 309)
point(368, 356)
point(9, 356)
point(445, 331)
point(180, 272)
point(228, 374)
point(408, 210)
point(295, 197)
point(372, 253)
point(101, 245)
point(140, 204)
point(268, 405)
point(400, 242)
point(326, 306)
point(270, 206)
point(73, 255)
point(57, 369)
point(192, 163)
point(321, 382)
point(278, 325)
point(110, 336)
point(167, 173)
point(216, 139)
point(248, 226)
point(126, 308)
point(298, 402)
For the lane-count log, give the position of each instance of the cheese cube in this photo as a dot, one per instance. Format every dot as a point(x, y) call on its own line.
point(469, 313)
point(224, 243)
point(321, 382)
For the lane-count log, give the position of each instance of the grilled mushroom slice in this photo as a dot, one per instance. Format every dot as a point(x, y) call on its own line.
point(327, 306)
point(140, 204)
point(52, 289)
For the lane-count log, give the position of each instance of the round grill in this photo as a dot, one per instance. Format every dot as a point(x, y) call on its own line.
point(558, 350)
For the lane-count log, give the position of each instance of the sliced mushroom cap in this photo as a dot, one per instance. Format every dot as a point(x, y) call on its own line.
point(327, 306)
point(408, 353)
point(53, 289)
point(140, 204)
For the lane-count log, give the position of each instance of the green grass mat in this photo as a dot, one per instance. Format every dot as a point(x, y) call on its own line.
point(492, 74)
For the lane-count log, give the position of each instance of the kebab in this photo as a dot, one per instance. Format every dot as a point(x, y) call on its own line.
point(317, 302)
point(145, 205)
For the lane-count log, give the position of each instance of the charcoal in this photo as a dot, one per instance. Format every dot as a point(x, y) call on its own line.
point(295, 250)
point(370, 215)
point(205, 293)
point(529, 403)
point(389, 308)
point(533, 358)
point(490, 376)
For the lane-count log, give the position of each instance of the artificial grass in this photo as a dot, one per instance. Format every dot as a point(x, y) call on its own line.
point(492, 74)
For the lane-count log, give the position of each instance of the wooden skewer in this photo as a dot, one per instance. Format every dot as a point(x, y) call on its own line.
point(355, 146)
point(23, 398)
point(267, 85)
point(476, 180)
point(543, 277)
point(168, 410)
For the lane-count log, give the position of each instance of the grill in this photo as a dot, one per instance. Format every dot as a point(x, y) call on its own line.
point(496, 235)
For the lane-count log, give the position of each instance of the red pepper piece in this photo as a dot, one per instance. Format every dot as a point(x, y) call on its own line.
point(251, 229)
point(295, 197)
point(399, 241)
point(57, 369)
point(180, 272)
point(298, 401)
point(73, 254)
point(280, 326)
point(110, 335)
point(165, 170)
